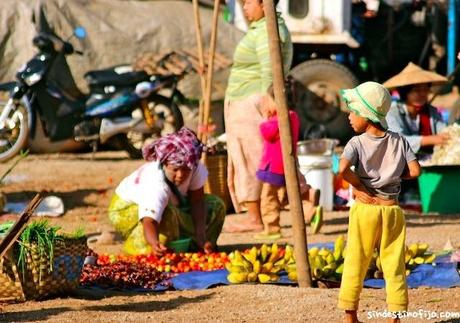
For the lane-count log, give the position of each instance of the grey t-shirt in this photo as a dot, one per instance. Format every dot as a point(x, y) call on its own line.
point(379, 162)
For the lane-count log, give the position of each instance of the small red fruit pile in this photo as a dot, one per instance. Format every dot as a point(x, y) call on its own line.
point(171, 262)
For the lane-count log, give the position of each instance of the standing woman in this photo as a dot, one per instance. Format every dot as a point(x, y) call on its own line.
point(413, 116)
point(250, 77)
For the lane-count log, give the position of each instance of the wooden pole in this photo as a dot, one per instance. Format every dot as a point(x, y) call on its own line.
point(210, 71)
point(289, 156)
point(199, 46)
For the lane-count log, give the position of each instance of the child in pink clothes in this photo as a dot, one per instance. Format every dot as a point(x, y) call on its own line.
point(271, 170)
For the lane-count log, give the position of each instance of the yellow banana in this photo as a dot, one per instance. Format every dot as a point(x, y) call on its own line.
point(419, 260)
point(256, 267)
point(263, 278)
point(414, 249)
point(422, 248)
point(264, 253)
point(292, 276)
point(275, 255)
point(339, 245)
point(324, 252)
point(339, 269)
point(330, 259)
point(429, 259)
point(237, 278)
point(289, 253)
point(313, 252)
point(290, 267)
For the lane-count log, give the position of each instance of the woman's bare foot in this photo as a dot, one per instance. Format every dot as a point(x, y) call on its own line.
point(244, 226)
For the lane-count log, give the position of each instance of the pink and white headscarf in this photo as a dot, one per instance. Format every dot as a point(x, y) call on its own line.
point(181, 148)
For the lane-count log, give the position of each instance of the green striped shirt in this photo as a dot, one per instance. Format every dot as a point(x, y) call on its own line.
point(251, 72)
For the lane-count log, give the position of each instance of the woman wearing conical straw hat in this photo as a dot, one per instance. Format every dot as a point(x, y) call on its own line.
point(413, 116)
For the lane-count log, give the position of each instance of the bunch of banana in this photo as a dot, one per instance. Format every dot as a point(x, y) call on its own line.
point(256, 265)
point(324, 263)
point(415, 255)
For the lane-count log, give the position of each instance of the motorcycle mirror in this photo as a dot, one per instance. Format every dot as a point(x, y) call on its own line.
point(79, 32)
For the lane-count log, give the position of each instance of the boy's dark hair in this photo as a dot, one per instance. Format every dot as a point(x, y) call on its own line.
point(274, 1)
point(289, 88)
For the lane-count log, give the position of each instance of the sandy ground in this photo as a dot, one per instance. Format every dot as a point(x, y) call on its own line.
point(86, 184)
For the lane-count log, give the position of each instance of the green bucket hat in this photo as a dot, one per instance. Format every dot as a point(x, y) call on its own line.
point(370, 100)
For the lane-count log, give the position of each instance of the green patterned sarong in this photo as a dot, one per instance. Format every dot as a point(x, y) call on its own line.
point(175, 223)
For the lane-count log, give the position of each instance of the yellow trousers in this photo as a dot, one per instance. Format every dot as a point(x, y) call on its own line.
point(174, 224)
point(372, 226)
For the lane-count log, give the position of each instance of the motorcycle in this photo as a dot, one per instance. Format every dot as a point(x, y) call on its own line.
point(123, 109)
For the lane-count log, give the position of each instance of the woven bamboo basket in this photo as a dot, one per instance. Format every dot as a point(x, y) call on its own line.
point(217, 179)
point(38, 281)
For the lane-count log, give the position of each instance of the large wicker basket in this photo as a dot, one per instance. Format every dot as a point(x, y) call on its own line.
point(37, 281)
point(217, 179)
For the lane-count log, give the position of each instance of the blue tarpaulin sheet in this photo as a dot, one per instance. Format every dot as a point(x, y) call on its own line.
point(439, 276)
point(443, 275)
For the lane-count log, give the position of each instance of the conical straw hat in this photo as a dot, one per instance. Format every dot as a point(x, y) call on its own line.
point(413, 74)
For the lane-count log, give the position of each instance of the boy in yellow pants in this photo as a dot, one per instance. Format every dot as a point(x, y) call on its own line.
point(380, 159)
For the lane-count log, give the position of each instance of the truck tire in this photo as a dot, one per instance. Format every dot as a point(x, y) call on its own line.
point(318, 101)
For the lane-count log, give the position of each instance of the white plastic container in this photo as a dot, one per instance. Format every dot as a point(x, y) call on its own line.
point(317, 170)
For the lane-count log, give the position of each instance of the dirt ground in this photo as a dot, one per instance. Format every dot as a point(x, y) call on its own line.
point(86, 184)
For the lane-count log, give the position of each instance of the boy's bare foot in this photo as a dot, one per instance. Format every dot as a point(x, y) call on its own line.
point(351, 317)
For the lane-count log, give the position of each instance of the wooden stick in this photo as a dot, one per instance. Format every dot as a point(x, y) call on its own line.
point(289, 154)
point(199, 43)
point(212, 51)
point(20, 225)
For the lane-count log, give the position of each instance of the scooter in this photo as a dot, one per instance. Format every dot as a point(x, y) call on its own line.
point(45, 98)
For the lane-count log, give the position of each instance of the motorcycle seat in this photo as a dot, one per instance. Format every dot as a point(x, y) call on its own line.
point(115, 76)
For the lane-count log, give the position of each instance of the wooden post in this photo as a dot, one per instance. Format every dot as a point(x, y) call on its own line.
point(199, 46)
point(289, 156)
point(210, 71)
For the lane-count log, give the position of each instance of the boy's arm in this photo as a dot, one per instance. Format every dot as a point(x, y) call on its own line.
point(412, 170)
point(360, 191)
point(151, 235)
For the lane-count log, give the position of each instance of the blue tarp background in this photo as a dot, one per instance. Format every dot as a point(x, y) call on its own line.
point(443, 275)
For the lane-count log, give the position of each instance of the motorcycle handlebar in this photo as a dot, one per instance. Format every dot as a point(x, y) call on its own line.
point(49, 42)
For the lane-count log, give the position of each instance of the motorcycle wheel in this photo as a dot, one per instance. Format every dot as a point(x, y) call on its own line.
point(14, 136)
point(170, 117)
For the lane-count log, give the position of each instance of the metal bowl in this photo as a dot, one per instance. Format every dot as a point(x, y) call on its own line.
point(317, 147)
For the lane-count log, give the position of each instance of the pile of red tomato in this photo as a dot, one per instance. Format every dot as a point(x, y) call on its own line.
point(171, 262)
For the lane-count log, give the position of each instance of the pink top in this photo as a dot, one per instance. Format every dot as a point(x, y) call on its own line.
point(272, 157)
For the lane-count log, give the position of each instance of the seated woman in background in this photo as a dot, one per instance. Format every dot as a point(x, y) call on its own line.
point(166, 196)
point(413, 116)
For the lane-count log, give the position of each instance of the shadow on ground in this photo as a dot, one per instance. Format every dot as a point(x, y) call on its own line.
point(139, 307)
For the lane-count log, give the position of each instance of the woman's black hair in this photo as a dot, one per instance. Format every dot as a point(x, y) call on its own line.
point(289, 87)
point(404, 91)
